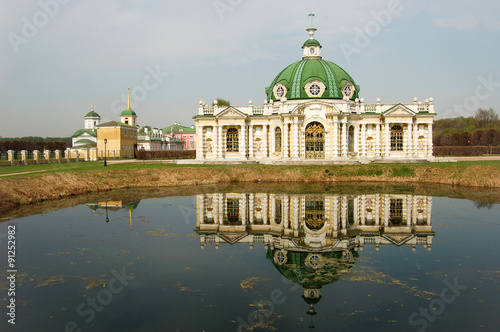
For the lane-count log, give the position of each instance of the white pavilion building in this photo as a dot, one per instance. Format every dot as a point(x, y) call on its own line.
point(313, 113)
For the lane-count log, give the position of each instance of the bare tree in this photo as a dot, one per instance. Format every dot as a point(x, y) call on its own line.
point(485, 117)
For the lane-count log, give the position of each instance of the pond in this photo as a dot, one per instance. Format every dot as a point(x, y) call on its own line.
point(255, 258)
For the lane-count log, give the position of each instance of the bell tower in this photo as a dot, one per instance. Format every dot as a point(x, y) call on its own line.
point(128, 116)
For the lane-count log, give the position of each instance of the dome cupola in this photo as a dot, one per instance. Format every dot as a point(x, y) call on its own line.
point(312, 77)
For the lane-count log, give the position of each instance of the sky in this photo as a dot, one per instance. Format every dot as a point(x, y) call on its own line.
point(58, 57)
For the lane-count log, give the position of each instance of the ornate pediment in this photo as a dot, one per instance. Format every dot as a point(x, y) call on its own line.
point(232, 238)
point(399, 110)
point(315, 106)
point(231, 112)
point(398, 239)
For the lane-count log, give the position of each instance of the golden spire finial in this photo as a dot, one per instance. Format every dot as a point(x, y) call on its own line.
point(128, 104)
point(130, 214)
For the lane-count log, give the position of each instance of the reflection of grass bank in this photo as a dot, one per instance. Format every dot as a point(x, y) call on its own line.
point(70, 179)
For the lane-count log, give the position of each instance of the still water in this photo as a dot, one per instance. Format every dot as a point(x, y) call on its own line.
point(256, 260)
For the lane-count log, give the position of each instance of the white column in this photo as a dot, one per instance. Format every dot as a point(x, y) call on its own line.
point(243, 209)
point(251, 208)
point(409, 210)
point(216, 208)
point(220, 145)
point(221, 208)
point(250, 142)
point(363, 210)
point(415, 139)
point(335, 138)
point(286, 209)
point(409, 151)
point(265, 209)
point(215, 143)
point(265, 130)
point(285, 140)
point(335, 211)
point(377, 209)
point(429, 141)
point(387, 139)
point(344, 138)
point(201, 208)
point(199, 146)
point(387, 209)
point(429, 210)
point(377, 140)
point(242, 142)
point(296, 203)
point(363, 140)
point(296, 138)
point(343, 213)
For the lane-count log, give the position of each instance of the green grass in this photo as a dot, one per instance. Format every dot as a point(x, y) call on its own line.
point(398, 170)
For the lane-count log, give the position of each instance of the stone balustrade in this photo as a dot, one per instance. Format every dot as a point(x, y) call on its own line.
point(58, 156)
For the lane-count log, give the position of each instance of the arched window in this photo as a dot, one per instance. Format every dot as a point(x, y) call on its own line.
point(397, 138)
point(350, 139)
point(277, 139)
point(315, 141)
point(278, 208)
point(315, 212)
point(232, 140)
point(233, 210)
point(350, 211)
point(396, 211)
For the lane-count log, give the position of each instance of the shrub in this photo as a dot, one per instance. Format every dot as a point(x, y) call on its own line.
point(166, 154)
point(463, 150)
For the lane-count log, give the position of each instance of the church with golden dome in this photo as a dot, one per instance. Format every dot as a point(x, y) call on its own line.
point(313, 113)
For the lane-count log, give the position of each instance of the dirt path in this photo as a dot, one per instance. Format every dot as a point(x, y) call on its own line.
point(10, 174)
point(476, 158)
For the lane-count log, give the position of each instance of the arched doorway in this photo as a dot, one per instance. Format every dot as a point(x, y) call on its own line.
point(315, 141)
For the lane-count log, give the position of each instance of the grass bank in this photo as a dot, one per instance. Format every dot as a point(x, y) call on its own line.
point(36, 183)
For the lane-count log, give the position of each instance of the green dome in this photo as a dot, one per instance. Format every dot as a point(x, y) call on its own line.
point(296, 76)
point(311, 42)
point(297, 271)
point(128, 113)
point(92, 114)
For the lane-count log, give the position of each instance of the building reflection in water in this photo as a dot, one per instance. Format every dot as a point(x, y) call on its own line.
point(313, 240)
point(129, 205)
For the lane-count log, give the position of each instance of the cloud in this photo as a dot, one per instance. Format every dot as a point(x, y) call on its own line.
point(466, 15)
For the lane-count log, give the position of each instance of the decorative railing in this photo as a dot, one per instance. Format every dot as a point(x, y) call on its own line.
point(208, 110)
point(371, 108)
point(258, 110)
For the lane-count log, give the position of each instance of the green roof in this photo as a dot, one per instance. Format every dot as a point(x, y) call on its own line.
point(178, 129)
point(92, 114)
point(88, 131)
point(128, 113)
point(298, 74)
point(115, 124)
point(296, 270)
point(311, 42)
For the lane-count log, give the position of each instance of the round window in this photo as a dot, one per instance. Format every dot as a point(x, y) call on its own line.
point(314, 89)
point(280, 92)
point(315, 261)
point(348, 90)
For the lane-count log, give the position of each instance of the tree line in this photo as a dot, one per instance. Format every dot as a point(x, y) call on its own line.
point(490, 137)
point(18, 145)
point(481, 129)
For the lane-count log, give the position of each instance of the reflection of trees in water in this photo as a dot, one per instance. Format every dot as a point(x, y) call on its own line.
point(480, 205)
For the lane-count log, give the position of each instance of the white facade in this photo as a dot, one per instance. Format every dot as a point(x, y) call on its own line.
point(315, 222)
point(312, 113)
point(302, 130)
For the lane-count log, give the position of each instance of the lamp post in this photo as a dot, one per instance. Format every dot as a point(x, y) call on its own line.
point(107, 219)
point(105, 163)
